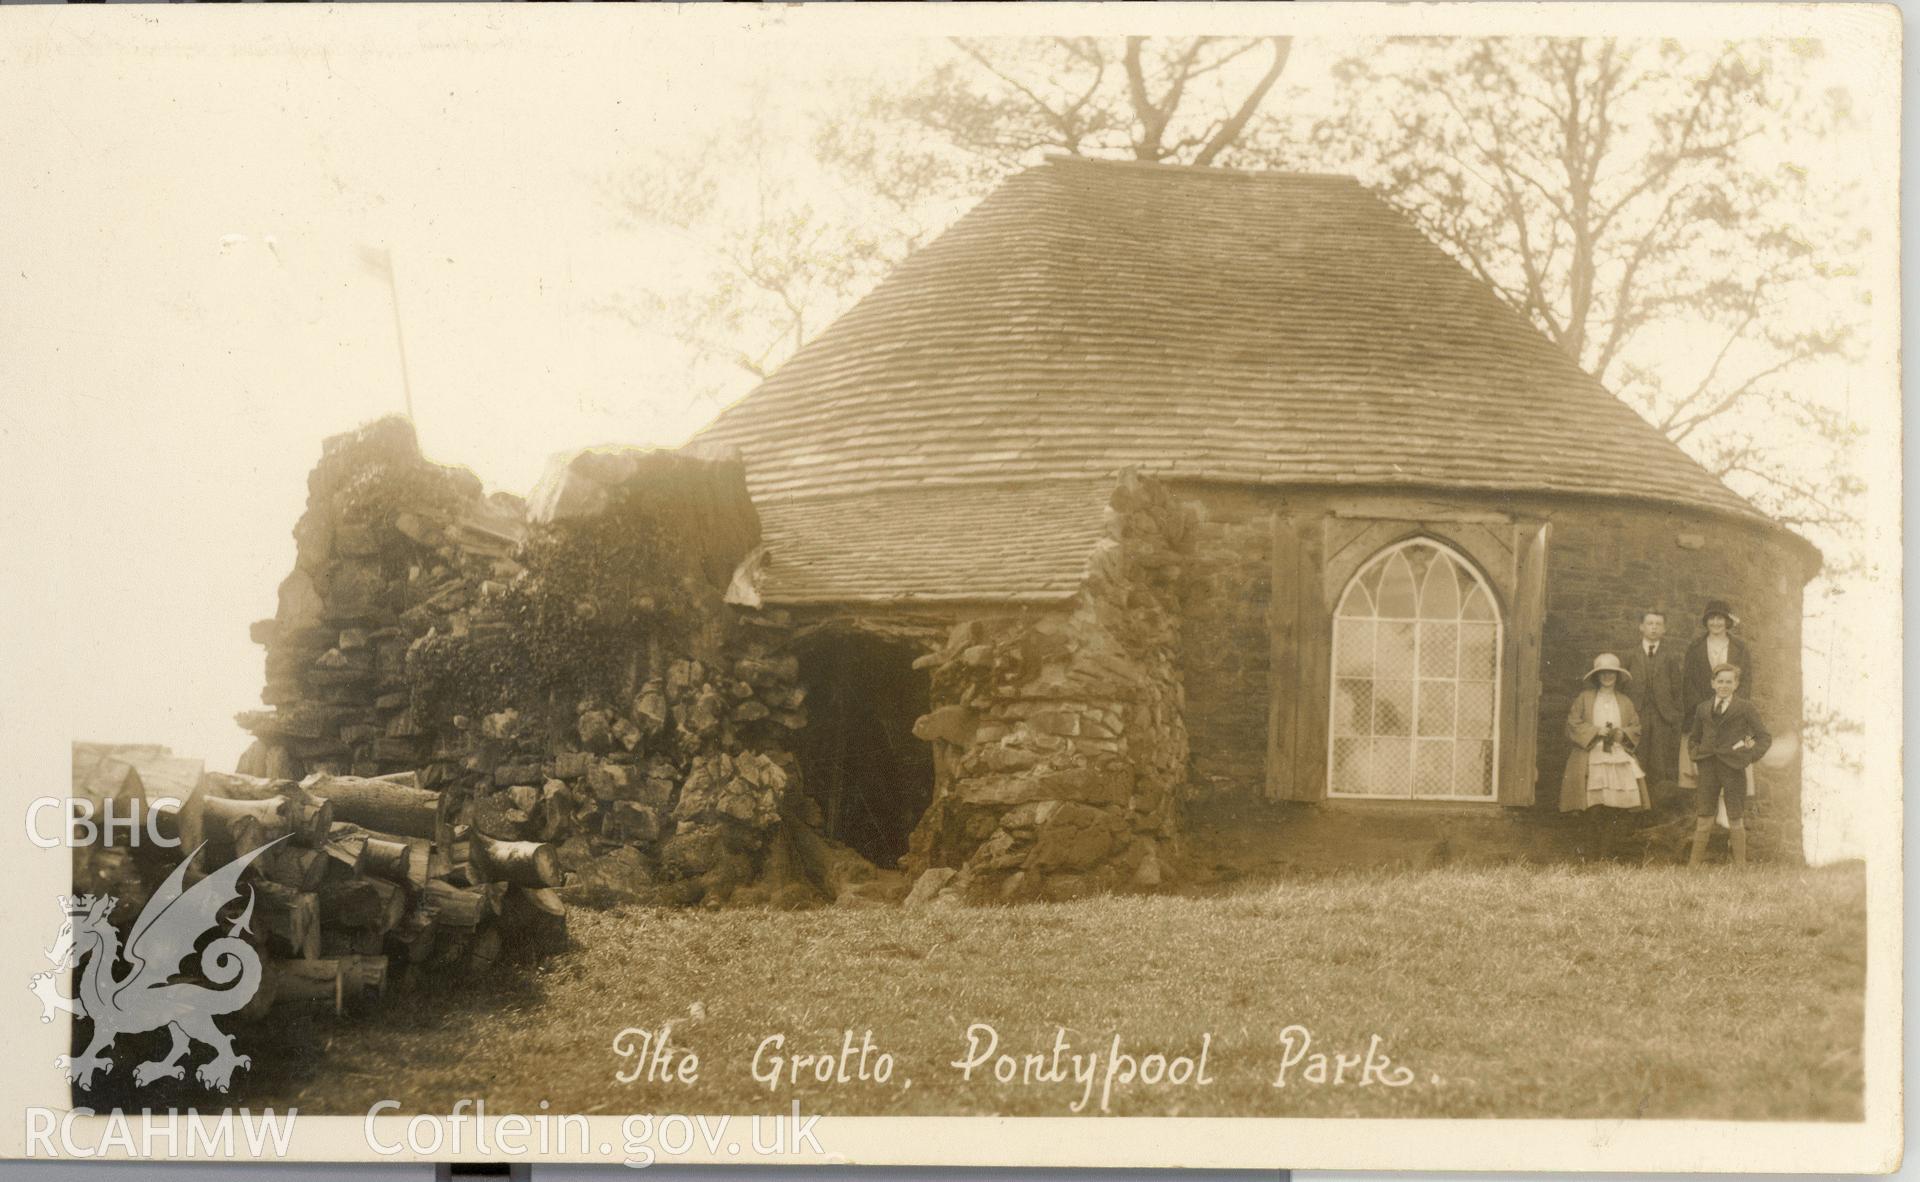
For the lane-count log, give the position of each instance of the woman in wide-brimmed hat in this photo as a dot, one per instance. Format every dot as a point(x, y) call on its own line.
point(1603, 727)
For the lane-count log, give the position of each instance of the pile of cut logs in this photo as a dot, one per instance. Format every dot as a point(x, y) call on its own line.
point(375, 884)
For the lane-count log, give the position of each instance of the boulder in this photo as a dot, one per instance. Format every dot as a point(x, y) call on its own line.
point(835, 868)
point(300, 603)
point(620, 875)
point(626, 734)
point(356, 592)
point(631, 823)
point(1002, 851)
point(929, 885)
point(502, 725)
point(575, 853)
point(1075, 837)
point(596, 729)
point(611, 781)
point(650, 706)
point(953, 724)
point(704, 716)
point(690, 853)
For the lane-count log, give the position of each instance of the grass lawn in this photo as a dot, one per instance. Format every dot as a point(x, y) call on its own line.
point(1513, 992)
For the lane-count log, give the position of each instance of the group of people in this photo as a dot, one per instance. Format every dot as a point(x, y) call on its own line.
point(1684, 721)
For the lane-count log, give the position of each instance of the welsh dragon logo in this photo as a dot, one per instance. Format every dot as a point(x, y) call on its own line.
point(144, 996)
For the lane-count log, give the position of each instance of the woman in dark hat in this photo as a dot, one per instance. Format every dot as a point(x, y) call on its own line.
point(1719, 646)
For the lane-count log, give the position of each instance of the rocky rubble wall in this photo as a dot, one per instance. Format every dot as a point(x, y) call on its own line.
point(390, 548)
point(566, 670)
point(1060, 747)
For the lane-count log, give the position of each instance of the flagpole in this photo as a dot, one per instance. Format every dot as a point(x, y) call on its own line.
point(399, 335)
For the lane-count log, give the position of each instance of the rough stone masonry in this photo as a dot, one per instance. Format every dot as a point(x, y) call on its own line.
point(564, 670)
point(1059, 741)
point(572, 670)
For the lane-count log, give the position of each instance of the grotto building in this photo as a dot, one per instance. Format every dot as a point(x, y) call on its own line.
point(1145, 486)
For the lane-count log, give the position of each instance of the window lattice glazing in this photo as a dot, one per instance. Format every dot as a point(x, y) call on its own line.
point(1416, 679)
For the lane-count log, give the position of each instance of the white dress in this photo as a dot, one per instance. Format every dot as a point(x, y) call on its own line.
point(1614, 779)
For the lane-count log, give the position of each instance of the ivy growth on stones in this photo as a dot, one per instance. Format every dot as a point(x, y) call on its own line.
point(594, 592)
point(380, 492)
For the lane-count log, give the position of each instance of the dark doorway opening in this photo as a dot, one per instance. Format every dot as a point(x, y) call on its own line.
point(859, 759)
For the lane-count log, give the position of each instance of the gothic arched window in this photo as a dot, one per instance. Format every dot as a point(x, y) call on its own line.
point(1416, 679)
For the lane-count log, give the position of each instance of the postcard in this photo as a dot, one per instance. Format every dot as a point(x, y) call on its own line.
point(1306, 586)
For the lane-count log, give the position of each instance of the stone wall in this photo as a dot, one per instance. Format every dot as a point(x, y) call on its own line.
point(390, 549)
point(1606, 563)
point(573, 671)
point(1225, 642)
point(567, 671)
point(1059, 741)
point(1606, 560)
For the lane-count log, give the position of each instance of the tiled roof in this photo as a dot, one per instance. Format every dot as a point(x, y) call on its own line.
point(933, 545)
point(1265, 328)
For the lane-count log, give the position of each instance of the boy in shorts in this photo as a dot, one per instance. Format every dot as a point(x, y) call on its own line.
point(1725, 735)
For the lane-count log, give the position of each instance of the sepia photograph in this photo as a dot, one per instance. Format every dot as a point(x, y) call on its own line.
point(1337, 565)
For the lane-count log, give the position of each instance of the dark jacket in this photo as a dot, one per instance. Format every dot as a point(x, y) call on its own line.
point(1656, 689)
point(1655, 685)
point(1713, 738)
point(1697, 677)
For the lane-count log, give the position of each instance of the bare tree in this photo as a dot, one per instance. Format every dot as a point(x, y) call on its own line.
point(753, 264)
point(1633, 199)
point(994, 106)
point(778, 262)
point(1181, 99)
point(1640, 201)
point(1636, 202)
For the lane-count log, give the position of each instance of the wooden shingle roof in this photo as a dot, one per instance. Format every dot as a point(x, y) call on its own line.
point(1024, 543)
point(1196, 324)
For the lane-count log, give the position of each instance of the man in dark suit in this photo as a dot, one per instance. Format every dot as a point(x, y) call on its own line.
point(1654, 684)
point(1726, 735)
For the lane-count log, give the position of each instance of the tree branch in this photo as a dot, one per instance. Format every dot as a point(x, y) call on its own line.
point(1237, 122)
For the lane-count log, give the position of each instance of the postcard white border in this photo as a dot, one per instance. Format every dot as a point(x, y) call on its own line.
point(35, 727)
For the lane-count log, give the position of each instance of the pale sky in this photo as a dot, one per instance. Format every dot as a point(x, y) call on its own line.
point(185, 313)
